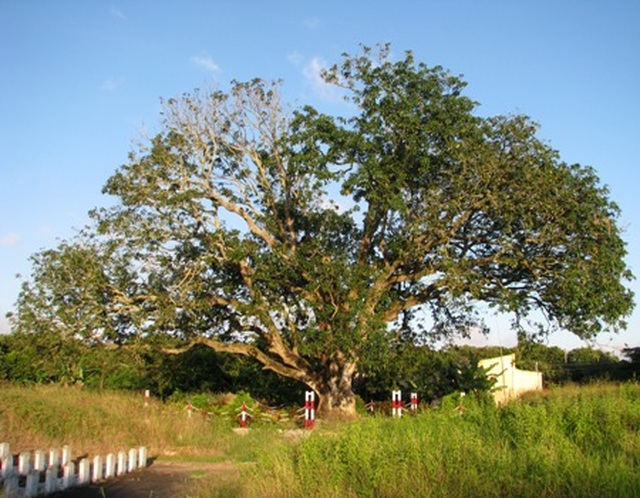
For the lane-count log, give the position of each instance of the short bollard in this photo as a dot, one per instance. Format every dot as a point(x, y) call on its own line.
point(396, 404)
point(414, 402)
point(98, 469)
point(110, 466)
point(142, 457)
point(122, 464)
point(309, 409)
point(11, 484)
point(24, 463)
point(5, 450)
point(51, 480)
point(84, 468)
point(31, 485)
point(7, 467)
point(66, 455)
point(39, 460)
point(133, 459)
point(54, 458)
point(189, 409)
point(371, 406)
point(244, 415)
point(69, 475)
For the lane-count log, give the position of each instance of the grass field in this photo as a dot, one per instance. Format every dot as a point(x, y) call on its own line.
point(567, 442)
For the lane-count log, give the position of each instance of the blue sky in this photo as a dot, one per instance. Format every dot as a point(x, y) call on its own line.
point(81, 81)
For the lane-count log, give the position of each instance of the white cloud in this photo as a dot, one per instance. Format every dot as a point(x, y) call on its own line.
point(115, 12)
point(295, 58)
point(111, 84)
point(312, 72)
point(10, 239)
point(206, 62)
point(311, 23)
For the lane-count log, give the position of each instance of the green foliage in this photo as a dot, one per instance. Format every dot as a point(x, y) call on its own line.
point(226, 229)
point(41, 358)
point(430, 373)
point(49, 358)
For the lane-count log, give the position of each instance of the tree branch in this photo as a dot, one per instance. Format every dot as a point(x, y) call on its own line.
point(245, 350)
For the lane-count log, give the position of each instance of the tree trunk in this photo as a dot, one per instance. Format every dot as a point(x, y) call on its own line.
point(336, 397)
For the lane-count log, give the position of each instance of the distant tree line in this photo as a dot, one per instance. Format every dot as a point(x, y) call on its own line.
point(49, 358)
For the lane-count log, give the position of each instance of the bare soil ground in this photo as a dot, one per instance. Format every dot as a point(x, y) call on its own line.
point(161, 479)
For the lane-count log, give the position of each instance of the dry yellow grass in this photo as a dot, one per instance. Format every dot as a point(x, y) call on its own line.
point(52, 416)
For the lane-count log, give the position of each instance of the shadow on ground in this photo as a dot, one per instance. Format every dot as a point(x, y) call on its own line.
point(159, 480)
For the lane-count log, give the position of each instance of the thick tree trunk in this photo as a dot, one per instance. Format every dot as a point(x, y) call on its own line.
point(336, 397)
point(332, 384)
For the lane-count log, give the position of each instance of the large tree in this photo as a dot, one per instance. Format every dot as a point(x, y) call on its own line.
point(306, 241)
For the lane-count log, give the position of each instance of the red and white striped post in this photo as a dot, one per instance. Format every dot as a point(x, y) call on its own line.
point(396, 403)
point(414, 402)
point(309, 409)
point(147, 396)
point(371, 405)
point(243, 415)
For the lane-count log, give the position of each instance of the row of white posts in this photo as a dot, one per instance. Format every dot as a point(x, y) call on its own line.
point(22, 476)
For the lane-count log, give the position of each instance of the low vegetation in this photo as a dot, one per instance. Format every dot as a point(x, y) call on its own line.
point(92, 423)
point(570, 442)
point(564, 442)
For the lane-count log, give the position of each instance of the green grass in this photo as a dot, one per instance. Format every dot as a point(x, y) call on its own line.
point(49, 416)
point(567, 442)
point(571, 442)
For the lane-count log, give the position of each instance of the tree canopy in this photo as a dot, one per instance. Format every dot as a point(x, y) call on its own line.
point(308, 241)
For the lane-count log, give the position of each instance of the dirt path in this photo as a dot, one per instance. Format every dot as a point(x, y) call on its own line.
point(160, 480)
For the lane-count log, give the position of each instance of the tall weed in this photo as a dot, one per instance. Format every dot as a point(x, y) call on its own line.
point(567, 443)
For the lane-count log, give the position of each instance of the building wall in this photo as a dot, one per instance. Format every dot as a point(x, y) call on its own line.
point(510, 382)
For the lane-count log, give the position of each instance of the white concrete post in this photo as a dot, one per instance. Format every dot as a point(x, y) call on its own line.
point(11, 485)
point(98, 469)
point(6, 461)
point(24, 463)
point(69, 475)
point(142, 457)
point(39, 460)
point(51, 480)
point(31, 486)
point(133, 459)
point(66, 455)
point(122, 463)
point(54, 457)
point(84, 471)
point(7, 467)
point(110, 466)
